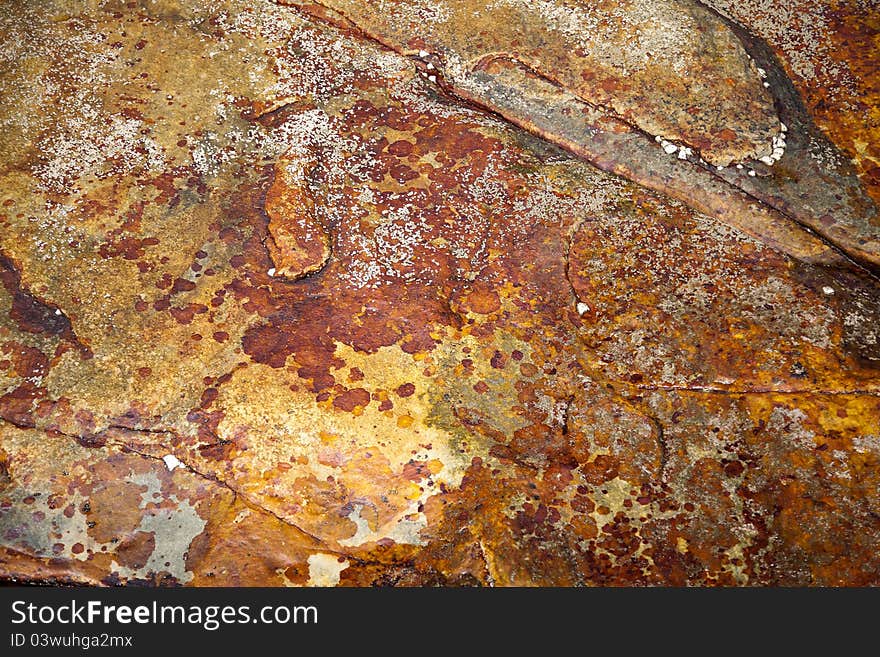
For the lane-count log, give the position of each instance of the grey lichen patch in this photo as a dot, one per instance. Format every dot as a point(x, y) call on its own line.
point(325, 569)
point(173, 530)
point(405, 530)
point(48, 506)
point(29, 523)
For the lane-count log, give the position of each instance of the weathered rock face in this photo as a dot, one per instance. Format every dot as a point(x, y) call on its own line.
point(665, 93)
point(636, 58)
point(392, 339)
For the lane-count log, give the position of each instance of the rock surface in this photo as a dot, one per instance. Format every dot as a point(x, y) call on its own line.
point(276, 309)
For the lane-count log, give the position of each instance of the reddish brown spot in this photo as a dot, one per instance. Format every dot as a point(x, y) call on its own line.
point(185, 314)
point(403, 174)
point(582, 504)
point(483, 299)
point(405, 390)
point(219, 451)
point(31, 314)
point(610, 85)
point(17, 406)
point(401, 148)
point(350, 399)
point(182, 285)
point(601, 469)
point(28, 361)
point(130, 248)
point(209, 396)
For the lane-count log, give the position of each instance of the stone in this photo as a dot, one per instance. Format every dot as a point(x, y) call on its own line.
point(277, 309)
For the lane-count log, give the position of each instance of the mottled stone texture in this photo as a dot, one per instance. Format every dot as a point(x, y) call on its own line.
point(394, 339)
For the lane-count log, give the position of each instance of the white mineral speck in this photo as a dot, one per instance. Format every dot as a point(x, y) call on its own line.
point(752, 172)
point(582, 308)
point(271, 272)
point(171, 462)
point(828, 290)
